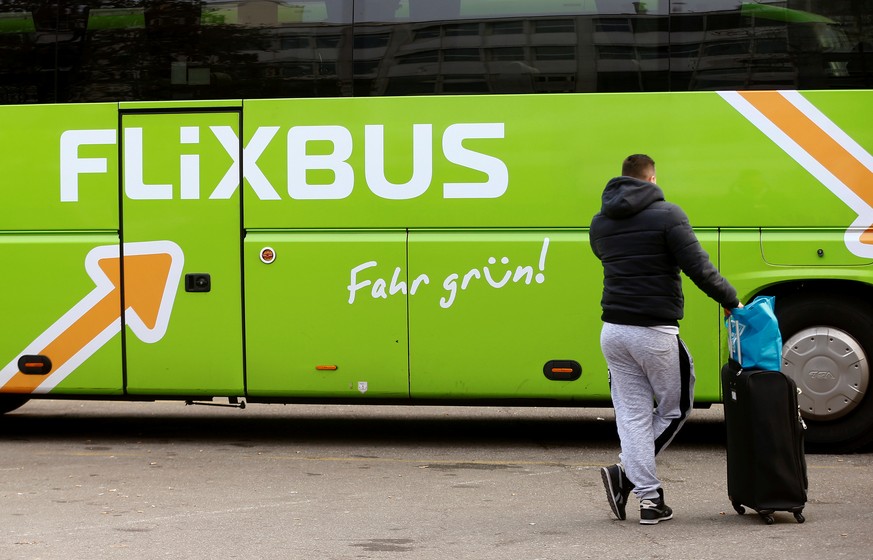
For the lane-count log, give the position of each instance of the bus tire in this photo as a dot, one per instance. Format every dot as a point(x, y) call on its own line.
point(827, 345)
point(8, 403)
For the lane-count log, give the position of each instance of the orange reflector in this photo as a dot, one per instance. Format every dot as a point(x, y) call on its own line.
point(326, 368)
point(35, 365)
point(562, 370)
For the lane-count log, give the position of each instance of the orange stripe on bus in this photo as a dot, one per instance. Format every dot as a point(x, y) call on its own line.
point(817, 143)
point(68, 343)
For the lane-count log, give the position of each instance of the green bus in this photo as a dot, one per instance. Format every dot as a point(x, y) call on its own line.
point(387, 201)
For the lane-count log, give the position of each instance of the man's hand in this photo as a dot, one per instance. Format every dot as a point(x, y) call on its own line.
point(727, 312)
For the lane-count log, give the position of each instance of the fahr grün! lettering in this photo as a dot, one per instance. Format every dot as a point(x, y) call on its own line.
point(364, 279)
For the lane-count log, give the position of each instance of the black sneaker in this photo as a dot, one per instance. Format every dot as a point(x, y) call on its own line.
point(655, 510)
point(618, 487)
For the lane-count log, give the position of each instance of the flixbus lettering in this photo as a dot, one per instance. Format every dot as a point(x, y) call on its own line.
point(300, 162)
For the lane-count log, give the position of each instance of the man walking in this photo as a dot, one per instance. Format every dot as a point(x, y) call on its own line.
point(644, 242)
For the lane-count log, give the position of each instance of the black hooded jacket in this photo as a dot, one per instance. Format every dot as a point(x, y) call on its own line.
point(644, 242)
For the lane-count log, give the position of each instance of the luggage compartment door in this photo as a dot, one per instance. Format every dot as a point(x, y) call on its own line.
point(326, 314)
point(181, 236)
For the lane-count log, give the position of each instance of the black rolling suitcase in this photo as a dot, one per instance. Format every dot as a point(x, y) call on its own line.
point(766, 466)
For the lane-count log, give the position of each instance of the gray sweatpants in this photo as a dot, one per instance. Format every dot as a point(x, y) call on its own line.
point(652, 385)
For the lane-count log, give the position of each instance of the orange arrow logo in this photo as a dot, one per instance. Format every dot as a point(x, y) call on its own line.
point(821, 147)
point(151, 277)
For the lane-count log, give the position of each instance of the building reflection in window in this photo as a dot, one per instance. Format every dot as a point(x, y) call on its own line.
point(101, 50)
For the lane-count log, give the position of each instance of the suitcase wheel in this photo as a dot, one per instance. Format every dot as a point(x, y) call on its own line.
point(739, 508)
point(769, 519)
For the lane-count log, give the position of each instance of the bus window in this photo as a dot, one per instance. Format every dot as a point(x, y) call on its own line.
point(83, 51)
point(40, 48)
point(514, 46)
point(19, 74)
point(142, 50)
point(748, 45)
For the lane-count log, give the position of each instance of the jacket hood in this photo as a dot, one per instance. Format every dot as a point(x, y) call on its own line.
point(626, 196)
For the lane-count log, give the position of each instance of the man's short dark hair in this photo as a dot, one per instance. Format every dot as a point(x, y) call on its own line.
point(639, 166)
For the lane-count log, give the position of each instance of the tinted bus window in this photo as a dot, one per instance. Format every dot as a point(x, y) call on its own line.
point(173, 49)
point(520, 46)
point(808, 44)
point(101, 50)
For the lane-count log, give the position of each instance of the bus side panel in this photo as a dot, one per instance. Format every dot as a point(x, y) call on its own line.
point(181, 189)
point(808, 247)
point(60, 202)
point(60, 167)
point(498, 306)
point(327, 317)
point(56, 304)
point(519, 161)
point(700, 329)
point(421, 162)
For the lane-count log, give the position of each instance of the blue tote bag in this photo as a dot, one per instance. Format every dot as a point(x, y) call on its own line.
point(753, 335)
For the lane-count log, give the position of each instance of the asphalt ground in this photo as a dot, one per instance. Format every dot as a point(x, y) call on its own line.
point(164, 480)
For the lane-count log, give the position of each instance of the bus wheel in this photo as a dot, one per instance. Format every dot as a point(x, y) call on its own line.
point(827, 345)
point(8, 403)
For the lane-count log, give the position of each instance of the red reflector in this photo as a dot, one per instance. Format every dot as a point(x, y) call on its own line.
point(268, 255)
point(326, 368)
point(562, 370)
